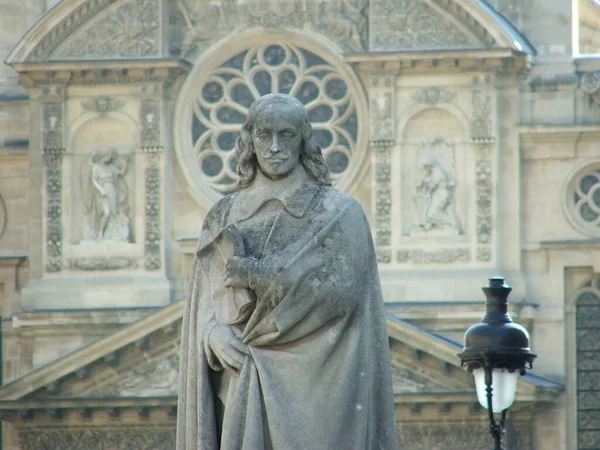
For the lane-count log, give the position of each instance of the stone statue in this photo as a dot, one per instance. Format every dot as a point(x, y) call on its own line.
point(434, 199)
point(107, 205)
point(288, 348)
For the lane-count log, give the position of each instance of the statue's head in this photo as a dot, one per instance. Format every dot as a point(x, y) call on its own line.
point(105, 155)
point(276, 138)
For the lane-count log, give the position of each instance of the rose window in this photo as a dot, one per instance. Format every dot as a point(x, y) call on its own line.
point(220, 99)
point(583, 199)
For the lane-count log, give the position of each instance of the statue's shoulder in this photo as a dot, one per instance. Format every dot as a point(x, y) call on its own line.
point(340, 201)
point(218, 215)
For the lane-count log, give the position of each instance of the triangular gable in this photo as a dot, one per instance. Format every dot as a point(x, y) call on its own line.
point(141, 361)
point(160, 329)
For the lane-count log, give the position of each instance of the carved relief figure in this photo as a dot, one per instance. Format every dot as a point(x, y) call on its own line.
point(107, 197)
point(300, 358)
point(435, 196)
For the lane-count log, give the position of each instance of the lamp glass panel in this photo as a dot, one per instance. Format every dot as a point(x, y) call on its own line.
point(504, 387)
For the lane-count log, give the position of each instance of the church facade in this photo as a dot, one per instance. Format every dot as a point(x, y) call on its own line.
point(467, 129)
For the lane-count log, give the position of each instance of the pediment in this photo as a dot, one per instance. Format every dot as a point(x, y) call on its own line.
point(134, 29)
point(140, 363)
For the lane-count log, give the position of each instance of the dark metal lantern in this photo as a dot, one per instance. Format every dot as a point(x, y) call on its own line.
point(496, 345)
point(497, 340)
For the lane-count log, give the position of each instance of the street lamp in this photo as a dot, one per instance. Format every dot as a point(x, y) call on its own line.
point(496, 351)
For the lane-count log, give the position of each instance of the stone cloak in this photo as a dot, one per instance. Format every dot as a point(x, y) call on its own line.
point(318, 373)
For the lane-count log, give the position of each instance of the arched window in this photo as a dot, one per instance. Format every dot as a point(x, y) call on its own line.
point(214, 105)
point(587, 300)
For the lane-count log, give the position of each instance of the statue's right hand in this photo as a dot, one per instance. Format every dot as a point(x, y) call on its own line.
point(227, 347)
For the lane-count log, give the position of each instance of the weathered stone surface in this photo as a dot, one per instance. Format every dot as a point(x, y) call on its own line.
point(304, 255)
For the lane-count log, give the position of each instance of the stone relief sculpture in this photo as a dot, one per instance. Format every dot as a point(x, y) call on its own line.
point(107, 197)
point(288, 347)
point(345, 21)
point(435, 195)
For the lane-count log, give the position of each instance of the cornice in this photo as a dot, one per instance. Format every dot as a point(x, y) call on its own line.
point(503, 60)
point(126, 71)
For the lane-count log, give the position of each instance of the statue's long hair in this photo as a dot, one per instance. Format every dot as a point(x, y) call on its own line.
point(310, 157)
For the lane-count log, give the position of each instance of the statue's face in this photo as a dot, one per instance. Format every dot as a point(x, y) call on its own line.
point(277, 139)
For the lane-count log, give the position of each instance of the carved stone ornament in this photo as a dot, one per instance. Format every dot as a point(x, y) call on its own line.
point(383, 203)
point(97, 438)
point(103, 104)
point(590, 85)
point(382, 119)
point(481, 120)
point(156, 379)
point(53, 160)
point(152, 233)
point(150, 119)
point(52, 131)
point(98, 263)
point(65, 28)
point(445, 256)
point(127, 30)
point(405, 380)
point(106, 196)
point(422, 25)
point(433, 95)
point(435, 192)
point(343, 21)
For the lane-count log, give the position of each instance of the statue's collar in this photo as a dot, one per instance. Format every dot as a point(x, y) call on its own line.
point(295, 192)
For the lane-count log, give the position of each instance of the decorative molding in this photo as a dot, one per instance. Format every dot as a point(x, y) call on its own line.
point(484, 254)
point(150, 121)
point(344, 22)
point(445, 256)
point(382, 117)
point(66, 28)
point(131, 30)
point(383, 203)
point(589, 83)
point(159, 378)
point(481, 119)
point(483, 183)
point(433, 96)
point(103, 105)
point(483, 140)
point(52, 127)
point(472, 435)
point(423, 25)
point(152, 244)
point(46, 75)
point(405, 380)
point(3, 216)
point(100, 264)
point(581, 198)
point(97, 438)
point(53, 159)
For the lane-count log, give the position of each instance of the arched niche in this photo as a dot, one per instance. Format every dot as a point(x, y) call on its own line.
point(434, 175)
point(94, 139)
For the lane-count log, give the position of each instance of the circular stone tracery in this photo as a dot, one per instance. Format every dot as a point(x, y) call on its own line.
point(219, 100)
point(583, 199)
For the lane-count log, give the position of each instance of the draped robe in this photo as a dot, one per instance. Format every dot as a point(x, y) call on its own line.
point(318, 371)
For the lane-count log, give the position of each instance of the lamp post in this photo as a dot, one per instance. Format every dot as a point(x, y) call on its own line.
point(495, 352)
